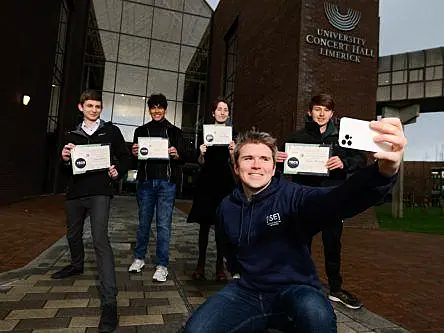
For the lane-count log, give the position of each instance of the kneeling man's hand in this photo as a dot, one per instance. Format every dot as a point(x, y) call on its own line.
point(391, 131)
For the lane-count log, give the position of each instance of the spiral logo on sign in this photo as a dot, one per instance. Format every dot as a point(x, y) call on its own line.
point(345, 22)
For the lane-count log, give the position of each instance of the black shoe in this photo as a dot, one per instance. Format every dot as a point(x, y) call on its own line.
point(108, 319)
point(344, 297)
point(67, 271)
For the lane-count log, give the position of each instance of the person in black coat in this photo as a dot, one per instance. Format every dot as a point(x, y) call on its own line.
point(215, 181)
point(89, 194)
point(320, 128)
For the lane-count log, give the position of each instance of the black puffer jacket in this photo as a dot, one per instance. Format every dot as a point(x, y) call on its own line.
point(352, 159)
point(97, 182)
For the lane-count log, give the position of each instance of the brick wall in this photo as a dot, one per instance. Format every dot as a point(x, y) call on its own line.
point(417, 179)
point(277, 71)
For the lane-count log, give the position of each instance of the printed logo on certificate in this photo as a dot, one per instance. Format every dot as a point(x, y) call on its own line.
point(307, 159)
point(86, 158)
point(153, 148)
point(217, 135)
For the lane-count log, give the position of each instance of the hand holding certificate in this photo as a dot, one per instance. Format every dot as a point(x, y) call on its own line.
point(87, 158)
point(153, 148)
point(307, 159)
point(217, 135)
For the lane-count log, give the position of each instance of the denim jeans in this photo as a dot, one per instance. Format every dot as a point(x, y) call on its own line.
point(298, 308)
point(158, 193)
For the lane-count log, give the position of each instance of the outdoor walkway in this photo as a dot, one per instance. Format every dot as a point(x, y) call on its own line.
point(31, 302)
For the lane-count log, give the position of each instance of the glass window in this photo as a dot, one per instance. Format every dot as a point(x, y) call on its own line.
point(178, 115)
point(383, 94)
point(433, 89)
point(128, 110)
point(110, 43)
point(107, 101)
point(127, 132)
point(399, 91)
point(399, 61)
point(58, 70)
point(163, 82)
point(383, 79)
point(416, 59)
point(193, 29)
point(134, 50)
point(171, 4)
point(399, 77)
point(171, 112)
point(384, 64)
point(167, 25)
point(198, 7)
point(180, 87)
point(131, 79)
point(110, 76)
point(230, 66)
point(186, 54)
point(192, 90)
point(434, 57)
point(164, 55)
point(146, 2)
point(434, 73)
point(136, 19)
point(108, 13)
point(416, 90)
point(416, 75)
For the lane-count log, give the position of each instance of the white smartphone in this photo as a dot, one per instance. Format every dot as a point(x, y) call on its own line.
point(357, 134)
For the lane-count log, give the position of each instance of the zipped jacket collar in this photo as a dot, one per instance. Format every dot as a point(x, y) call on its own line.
point(81, 132)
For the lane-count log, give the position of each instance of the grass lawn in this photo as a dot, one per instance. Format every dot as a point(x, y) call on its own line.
point(425, 220)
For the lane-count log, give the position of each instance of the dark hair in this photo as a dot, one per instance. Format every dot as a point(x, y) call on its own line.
point(157, 100)
point(90, 94)
point(217, 101)
point(257, 138)
point(322, 100)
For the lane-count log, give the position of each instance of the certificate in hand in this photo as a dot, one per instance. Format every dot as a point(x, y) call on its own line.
point(86, 158)
point(217, 135)
point(153, 148)
point(308, 159)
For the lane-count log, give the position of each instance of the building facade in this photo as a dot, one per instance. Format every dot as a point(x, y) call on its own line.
point(125, 49)
point(270, 57)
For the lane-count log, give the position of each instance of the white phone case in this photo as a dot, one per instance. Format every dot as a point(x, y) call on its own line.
point(357, 134)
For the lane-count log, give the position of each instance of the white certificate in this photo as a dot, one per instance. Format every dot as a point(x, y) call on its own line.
point(153, 148)
point(217, 135)
point(85, 158)
point(306, 159)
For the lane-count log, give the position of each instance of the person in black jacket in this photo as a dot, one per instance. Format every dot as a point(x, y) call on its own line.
point(156, 187)
point(90, 194)
point(216, 180)
point(320, 129)
point(265, 225)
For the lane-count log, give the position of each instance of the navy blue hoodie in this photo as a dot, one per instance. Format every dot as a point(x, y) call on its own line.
point(265, 238)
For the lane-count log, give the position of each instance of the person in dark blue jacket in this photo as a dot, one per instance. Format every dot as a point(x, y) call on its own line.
point(266, 223)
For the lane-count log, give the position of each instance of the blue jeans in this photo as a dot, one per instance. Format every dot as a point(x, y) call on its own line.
point(299, 308)
point(159, 193)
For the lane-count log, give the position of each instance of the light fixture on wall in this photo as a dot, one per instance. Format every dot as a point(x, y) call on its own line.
point(26, 99)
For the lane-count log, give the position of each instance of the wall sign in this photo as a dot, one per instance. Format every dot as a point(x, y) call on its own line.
point(340, 45)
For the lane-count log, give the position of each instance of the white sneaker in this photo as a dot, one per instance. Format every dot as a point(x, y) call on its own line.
point(161, 273)
point(137, 265)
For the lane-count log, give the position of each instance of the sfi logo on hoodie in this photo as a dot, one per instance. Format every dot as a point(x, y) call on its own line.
point(273, 219)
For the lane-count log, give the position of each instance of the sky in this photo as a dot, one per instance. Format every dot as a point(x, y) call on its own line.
point(409, 25)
